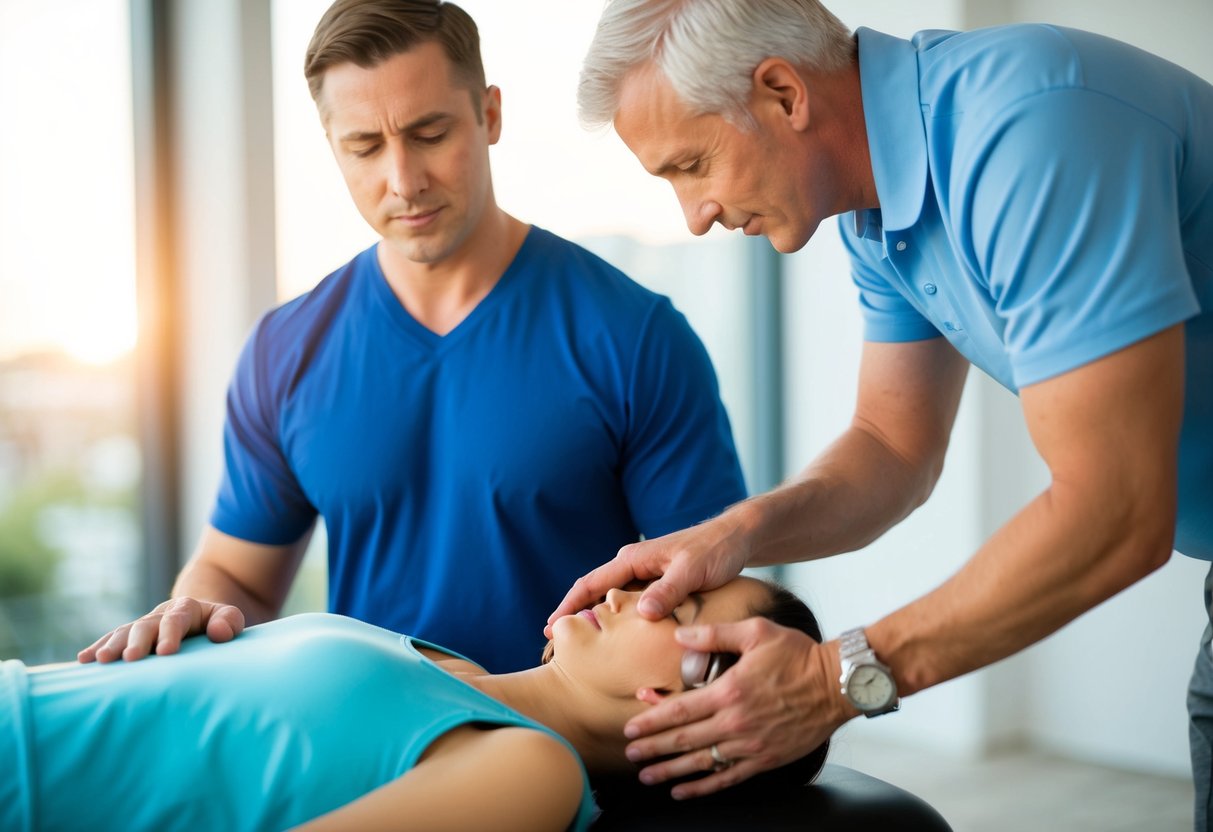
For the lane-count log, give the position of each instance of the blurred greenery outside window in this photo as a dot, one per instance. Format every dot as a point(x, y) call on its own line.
point(70, 540)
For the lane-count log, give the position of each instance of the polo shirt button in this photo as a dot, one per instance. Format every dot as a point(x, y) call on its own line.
point(948, 326)
point(901, 245)
point(929, 288)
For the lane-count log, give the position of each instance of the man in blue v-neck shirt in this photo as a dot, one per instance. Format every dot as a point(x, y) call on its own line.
point(479, 410)
point(1033, 200)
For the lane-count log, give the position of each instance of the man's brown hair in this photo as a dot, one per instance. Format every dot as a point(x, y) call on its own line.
point(368, 32)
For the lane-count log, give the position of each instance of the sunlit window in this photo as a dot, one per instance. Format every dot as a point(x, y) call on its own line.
point(69, 458)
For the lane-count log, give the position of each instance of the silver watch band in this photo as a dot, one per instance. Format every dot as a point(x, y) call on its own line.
point(854, 651)
point(853, 646)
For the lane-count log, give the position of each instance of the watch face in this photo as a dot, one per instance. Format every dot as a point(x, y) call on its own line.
point(870, 688)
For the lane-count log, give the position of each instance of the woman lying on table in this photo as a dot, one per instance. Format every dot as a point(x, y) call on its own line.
point(328, 723)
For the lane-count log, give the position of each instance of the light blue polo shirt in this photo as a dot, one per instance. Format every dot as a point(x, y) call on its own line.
point(1046, 199)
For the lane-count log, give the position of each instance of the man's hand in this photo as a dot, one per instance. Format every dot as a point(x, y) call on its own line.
point(702, 557)
point(778, 703)
point(163, 628)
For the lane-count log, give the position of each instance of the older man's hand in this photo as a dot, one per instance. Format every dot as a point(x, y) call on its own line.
point(702, 557)
point(778, 703)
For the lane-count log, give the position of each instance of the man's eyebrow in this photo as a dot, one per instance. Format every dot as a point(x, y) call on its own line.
point(421, 123)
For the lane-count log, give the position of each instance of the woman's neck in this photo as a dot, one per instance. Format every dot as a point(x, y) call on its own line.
point(590, 720)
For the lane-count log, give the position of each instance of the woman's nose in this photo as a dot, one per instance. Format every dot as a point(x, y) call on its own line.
point(615, 599)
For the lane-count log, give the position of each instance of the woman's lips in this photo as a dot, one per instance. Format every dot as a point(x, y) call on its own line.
point(589, 616)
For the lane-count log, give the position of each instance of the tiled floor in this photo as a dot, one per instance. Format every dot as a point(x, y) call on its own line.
point(1028, 792)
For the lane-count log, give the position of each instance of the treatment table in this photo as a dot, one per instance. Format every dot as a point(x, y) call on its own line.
point(840, 800)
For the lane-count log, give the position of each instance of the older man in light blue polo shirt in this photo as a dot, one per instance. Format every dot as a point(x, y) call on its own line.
point(1037, 201)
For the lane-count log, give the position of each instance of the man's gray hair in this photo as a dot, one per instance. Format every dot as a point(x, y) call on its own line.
point(707, 49)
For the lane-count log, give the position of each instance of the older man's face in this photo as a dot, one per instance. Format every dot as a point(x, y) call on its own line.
point(747, 179)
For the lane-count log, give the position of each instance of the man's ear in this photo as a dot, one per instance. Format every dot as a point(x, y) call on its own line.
point(779, 86)
point(492, 113)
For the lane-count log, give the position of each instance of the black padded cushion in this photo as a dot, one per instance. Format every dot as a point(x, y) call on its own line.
point(840, 799)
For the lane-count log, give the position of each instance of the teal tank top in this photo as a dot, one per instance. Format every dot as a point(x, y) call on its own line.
point(210, 738)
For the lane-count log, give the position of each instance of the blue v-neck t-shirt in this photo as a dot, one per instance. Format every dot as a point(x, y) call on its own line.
point(467, 480)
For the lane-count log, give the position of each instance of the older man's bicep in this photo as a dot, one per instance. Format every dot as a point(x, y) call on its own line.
point(1109, 432)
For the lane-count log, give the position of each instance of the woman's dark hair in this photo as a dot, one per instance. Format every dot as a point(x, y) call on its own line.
point(368, 32)
point(625, 794)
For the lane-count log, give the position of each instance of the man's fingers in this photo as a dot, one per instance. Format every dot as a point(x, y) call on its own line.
point(661, 597)
point(112, 649)
point(683, 576)
point(163, 629)
point(693, 762)
point(225, 623)
point(142, 638)
point(683, 713)
point(590, 587)
point(741, 770)
point(89, 654)
point(735, 637)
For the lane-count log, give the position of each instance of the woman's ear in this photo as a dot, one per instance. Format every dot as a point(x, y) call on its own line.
point(652, 696)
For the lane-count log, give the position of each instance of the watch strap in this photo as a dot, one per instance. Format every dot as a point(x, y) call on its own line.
point(854, 651)
point(852, 644)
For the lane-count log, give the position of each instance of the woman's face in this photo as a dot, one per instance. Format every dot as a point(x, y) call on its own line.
point(611, 648)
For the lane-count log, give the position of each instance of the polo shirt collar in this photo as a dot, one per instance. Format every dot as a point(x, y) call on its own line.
point(897, 141)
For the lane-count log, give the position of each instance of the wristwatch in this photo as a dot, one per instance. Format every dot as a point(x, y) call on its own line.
point(866, 682)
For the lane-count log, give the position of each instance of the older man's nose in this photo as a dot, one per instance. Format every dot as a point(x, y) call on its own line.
point(700, 214)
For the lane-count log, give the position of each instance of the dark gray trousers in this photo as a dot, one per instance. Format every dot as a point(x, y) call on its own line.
point(1200, 717)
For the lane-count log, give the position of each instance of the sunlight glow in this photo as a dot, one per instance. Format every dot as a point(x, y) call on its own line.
point(66, 164)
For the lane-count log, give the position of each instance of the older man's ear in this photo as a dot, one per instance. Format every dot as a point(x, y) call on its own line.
point(778, 84)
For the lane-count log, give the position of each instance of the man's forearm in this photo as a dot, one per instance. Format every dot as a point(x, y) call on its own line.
point(1109, 432)
point(851, 494)
point(1059, 557)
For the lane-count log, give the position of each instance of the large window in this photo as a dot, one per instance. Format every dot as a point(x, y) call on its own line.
point(69, 458)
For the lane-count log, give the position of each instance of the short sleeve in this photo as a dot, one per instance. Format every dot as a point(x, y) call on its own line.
point(680, 463)
point(887, 315)
point(1073, 202)
point(260, 499)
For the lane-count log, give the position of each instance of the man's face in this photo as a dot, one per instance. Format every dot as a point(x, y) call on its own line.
point(412, 149)
point(748, 179)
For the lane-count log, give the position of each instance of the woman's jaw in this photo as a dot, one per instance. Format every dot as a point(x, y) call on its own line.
point(588, 691)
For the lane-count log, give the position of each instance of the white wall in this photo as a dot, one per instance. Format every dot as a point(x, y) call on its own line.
point(1108, 688)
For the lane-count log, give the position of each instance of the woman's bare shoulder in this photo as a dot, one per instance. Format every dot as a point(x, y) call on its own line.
point(451, 664)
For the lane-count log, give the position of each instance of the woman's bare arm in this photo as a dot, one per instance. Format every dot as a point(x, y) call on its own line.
point(503, 779)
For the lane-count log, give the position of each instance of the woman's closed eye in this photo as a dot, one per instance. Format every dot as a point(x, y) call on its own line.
point(682, 615)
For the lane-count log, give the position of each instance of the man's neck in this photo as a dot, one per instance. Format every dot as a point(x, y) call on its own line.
point(844, 134)
point(441, 295)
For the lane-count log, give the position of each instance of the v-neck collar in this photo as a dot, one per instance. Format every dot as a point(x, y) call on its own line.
point(414, 330)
